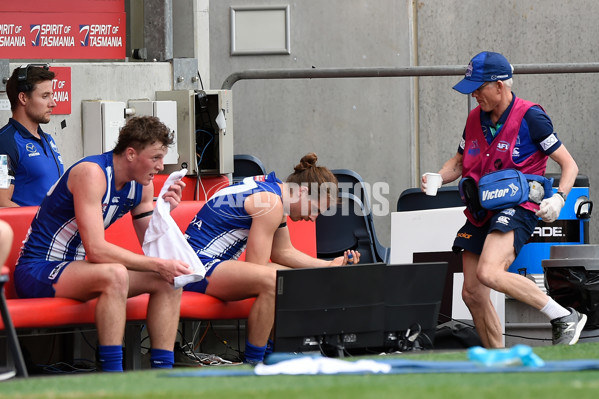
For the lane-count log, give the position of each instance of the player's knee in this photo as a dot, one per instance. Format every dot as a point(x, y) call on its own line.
point(474, 295)
point(268, 283)
point(488, 277)
point(116, 277)
point(469, 297)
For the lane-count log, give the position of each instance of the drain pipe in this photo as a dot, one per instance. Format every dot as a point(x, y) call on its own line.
point(415, 175)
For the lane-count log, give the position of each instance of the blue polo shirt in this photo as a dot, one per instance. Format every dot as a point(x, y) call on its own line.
point(35, 163)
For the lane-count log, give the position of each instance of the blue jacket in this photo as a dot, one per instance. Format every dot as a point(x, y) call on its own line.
point(35, 163)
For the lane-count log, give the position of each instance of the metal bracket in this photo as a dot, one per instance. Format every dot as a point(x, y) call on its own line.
point(185, 73)
point(4, 73)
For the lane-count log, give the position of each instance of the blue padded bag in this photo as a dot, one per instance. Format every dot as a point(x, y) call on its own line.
point(503, 189)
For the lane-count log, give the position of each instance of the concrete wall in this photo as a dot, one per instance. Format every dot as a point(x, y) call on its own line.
point(381, 127)
point(527, 32)
point(361, 124)
point(100, 81)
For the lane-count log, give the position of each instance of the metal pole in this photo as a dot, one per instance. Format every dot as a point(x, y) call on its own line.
point(444, 70)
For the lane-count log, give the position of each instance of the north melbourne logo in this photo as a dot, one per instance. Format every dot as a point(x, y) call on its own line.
point(469, 70)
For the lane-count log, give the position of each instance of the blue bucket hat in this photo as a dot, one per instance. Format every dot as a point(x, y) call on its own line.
point(484, 67)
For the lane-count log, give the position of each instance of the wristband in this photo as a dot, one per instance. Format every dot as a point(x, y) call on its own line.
point(563, 195)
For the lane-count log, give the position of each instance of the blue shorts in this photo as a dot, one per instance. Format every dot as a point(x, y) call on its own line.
point(35, 278)
point(522, 221)
point(210, 264)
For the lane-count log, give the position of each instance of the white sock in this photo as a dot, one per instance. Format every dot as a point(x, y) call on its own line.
point(554, 310)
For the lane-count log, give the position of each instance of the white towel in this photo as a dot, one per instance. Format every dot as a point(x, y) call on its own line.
point(163, 238)
point(321, 365)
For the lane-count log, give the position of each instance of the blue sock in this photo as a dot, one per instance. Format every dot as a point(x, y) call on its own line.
point(269, 347)
point(254, 354)
point(161, 359)
point(111, 357)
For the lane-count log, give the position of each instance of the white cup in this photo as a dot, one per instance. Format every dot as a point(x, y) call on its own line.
point(433, 182)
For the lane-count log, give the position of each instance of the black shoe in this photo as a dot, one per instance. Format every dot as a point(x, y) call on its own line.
point(185, 357)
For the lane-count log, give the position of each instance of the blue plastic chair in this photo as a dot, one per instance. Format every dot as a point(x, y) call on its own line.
point(413, 199)
point(245, 165)
point(347, 228)
point(352, 182)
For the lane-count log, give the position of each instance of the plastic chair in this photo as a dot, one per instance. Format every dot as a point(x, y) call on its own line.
point(11, 334)
point(346, 228)
point(350, 181)
point(413, 199)
point(245, 165)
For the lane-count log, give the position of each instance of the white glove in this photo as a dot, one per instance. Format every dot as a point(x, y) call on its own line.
point(550, 208)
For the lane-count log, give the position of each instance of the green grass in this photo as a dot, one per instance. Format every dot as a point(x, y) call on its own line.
point(156, 384)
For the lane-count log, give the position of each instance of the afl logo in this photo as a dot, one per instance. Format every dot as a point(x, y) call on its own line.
point(30, 147)
point(503, 146)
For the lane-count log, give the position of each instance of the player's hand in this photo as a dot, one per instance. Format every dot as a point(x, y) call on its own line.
point(423, 183)
point(171, 268)
point(174, 194)
point(550, 208)
point(349, 257)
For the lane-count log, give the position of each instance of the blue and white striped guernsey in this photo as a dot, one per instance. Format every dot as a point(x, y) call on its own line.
point(220, 229)
point(54, 234)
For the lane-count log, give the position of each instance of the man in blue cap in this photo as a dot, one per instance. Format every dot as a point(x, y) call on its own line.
point(505, 132)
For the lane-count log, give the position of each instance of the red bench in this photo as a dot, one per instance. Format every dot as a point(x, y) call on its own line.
point(195, 190)
point(62, 312)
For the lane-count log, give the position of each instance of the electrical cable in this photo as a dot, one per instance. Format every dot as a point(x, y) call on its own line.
point(200, 77)
point(187, 347)
point(504, 334)
point(427, 338)
point(195, 333)
point(65, 368)
point(93, 347)
point(224, 342)
point(199, 161)
point(142, 341)
point(202, 337)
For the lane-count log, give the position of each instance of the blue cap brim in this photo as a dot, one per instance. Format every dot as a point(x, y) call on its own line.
point(466, 86)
